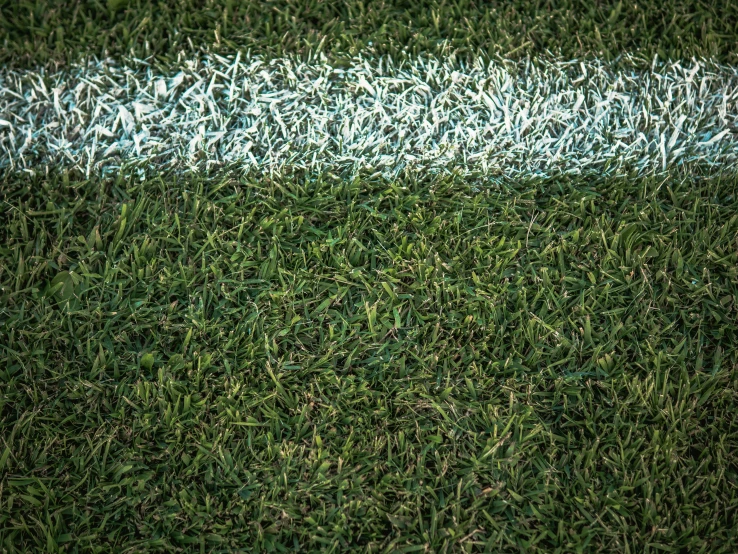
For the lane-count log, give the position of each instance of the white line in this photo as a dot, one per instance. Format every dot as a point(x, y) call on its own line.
point(504, 118)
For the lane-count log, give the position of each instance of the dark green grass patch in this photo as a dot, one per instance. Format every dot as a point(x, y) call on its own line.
point(39, 31)
point(293, 365)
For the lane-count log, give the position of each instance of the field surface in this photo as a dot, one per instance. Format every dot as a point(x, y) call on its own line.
point(301, 276)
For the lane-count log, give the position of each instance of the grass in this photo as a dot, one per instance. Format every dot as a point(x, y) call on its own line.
point(43, 31)
point(316, 363)
point(325, 364)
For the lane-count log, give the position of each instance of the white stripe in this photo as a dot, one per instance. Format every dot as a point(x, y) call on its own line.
point(502, 118)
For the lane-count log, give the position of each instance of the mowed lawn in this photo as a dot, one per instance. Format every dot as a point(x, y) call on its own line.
point(326, 363)
point(56, 32)
point(334, 361)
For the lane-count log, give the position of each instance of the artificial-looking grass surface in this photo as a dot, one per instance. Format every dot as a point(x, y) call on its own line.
point(326, 364)
point(40, 31)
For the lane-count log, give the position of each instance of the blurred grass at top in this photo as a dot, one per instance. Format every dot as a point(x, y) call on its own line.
point(42, 31)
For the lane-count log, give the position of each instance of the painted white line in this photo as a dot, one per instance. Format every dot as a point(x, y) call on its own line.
point(534, 118)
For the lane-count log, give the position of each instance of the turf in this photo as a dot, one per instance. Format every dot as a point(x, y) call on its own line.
point(43, 31)
point(303, 364)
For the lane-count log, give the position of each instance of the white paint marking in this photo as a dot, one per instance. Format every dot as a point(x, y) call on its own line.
point(530, 118)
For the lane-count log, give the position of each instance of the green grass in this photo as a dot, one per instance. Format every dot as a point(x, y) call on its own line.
point(326, 364)
point(322, 364)
point(41, 31)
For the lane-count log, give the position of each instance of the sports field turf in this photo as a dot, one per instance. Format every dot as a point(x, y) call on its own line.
point(324, 356)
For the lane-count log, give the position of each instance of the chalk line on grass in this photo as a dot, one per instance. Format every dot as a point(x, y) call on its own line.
point(498, 118)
